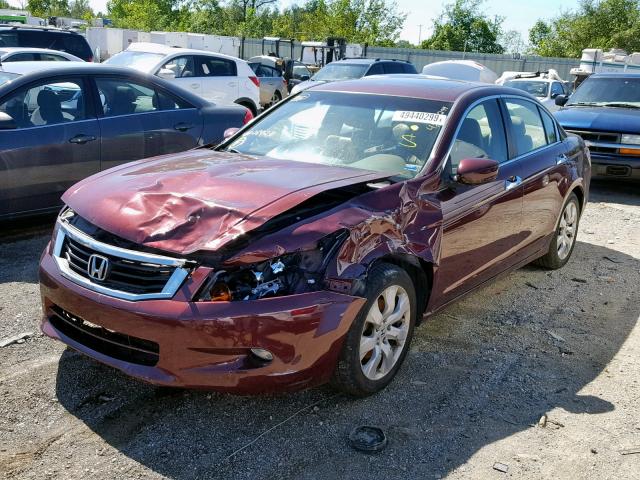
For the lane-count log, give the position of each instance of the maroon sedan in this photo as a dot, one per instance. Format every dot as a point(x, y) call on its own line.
point(305, 248)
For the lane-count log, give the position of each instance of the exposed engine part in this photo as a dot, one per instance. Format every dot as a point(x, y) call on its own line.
point(277, 267)
point(264, 289)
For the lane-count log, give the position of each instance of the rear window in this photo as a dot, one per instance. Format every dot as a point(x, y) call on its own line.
point(62, 41)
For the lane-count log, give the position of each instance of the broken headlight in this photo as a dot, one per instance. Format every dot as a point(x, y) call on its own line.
point(284, 275)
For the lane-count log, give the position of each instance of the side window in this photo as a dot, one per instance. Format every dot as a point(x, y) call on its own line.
point(8, 38)
point(409, 68)
point(556, 89)
point(481, 135)
point(216, 67)
point(46, 104)
point(527, 129)
point(549, 127)
point(21, 57)
point(165, 101)
point(299, 71)
point(183, 67)
point(122, 97)
point(49, 57)
point(393, 67)
point(376, 69)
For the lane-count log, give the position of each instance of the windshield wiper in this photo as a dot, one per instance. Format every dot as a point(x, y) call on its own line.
point(621, 105)
point(585, 104)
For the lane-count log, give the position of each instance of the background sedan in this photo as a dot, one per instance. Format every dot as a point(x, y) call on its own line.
point(63, 121)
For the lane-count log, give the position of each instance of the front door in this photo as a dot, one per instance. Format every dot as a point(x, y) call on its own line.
point(56, 143)
point(482, 224)
point(185, 73)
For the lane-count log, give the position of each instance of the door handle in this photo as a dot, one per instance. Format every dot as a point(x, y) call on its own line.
point(183, 127)
point(512, 182)
point(195, 85)
point(82, 139)
point(232, 84)
point(562, 158)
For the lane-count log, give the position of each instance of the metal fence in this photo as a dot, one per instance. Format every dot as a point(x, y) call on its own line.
point(420, 58)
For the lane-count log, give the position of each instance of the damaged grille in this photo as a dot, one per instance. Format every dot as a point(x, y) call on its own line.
point(599, 142)
point(115, 271)
point(123, 275)
point(102, 340)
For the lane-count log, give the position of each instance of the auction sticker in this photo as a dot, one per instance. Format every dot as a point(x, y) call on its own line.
point(419, 117)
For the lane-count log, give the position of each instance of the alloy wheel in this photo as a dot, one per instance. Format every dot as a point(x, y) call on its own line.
point(384, 332)
point(567, 230)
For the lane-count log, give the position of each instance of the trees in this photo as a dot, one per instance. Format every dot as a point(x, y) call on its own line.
point(595, 24)
point(464, 27)
point(48, 8)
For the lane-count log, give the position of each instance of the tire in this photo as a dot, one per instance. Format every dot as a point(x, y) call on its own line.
point(275, 98)
point(566, 231)
point(349, 375)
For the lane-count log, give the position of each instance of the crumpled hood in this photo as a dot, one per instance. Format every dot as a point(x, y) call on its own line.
point(604, 119)
point(200, 200)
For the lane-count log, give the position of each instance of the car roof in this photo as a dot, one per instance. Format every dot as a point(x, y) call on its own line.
point(38, 28)
point(366, 61)
point(406, 85)
point(31, 50)
point(25, 68)
point(617, 75)
point(149, 47)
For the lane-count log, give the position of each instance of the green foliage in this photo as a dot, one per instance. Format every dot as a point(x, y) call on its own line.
point(48, 8)
point(80, 9)
point(595, 24)
point(376, 22)
point(463, 26)
point(5, 4)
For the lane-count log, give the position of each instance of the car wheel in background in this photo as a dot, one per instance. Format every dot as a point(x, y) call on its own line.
point(379, 337)
point(564, 239)
point(250, 106)
point(275, 98)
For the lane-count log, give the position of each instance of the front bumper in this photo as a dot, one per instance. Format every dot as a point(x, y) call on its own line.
point(613, 166)
point(177, 342)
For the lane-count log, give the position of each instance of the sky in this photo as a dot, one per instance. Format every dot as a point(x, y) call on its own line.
point(519, 15)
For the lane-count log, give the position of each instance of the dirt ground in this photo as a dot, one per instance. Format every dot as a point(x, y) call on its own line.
point(478, 379)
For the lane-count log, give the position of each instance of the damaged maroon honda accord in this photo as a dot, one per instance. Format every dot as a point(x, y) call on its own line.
point(306, 247)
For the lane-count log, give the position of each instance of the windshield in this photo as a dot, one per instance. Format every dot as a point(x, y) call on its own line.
point(605, 91)
point(535, 88)
point(340, 71)
point(142, 61)
point(370, 132)
point(6, 76)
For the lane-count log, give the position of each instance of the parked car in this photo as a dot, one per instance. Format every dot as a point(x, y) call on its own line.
point(63, 121)
point(24, 54)
point(216, 77)
point(50, 38)
point(605, 111)
point(354, 68)
point(307, 246)
point(545, 87)
point(300, 73)
point(467, 70)
point(273, 86)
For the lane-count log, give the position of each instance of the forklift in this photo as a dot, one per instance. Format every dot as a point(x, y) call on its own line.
point(316, 55)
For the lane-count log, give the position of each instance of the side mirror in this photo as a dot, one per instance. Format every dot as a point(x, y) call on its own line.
point(230, 132)
point(554, 95)
point(561, 100)
point(7, 122)
point(474, 171)
point(167, 74)
point(304, 78)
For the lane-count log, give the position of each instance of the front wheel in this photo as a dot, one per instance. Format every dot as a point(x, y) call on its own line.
point(379, 338)
point(564, 238)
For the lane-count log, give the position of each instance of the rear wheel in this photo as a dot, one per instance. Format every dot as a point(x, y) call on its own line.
point(564, 239)
point(275, 98)
point(379, 338)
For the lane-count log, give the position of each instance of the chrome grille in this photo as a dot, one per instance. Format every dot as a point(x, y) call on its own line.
point(599, 142)
point(126, 274)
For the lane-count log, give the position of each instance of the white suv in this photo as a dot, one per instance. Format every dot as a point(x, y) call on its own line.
point(213, 76)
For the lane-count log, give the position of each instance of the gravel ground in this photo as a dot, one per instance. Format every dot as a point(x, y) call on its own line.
point(467, 403)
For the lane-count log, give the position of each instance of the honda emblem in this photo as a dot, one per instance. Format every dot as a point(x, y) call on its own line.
point(98, 267)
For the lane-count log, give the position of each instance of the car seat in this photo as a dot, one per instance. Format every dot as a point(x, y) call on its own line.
point(123, 101)
point(524, 142)
point(50, 108)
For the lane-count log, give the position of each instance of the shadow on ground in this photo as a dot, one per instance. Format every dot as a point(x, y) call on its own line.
point(482, 370)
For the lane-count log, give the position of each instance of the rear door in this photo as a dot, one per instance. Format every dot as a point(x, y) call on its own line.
point(543, 161)
point(219, 76)
point(139, 120)
point(482, 224)
point(56, 143)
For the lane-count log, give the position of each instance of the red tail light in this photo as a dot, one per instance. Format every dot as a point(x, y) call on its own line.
point(248, 116)
point(255, 80)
